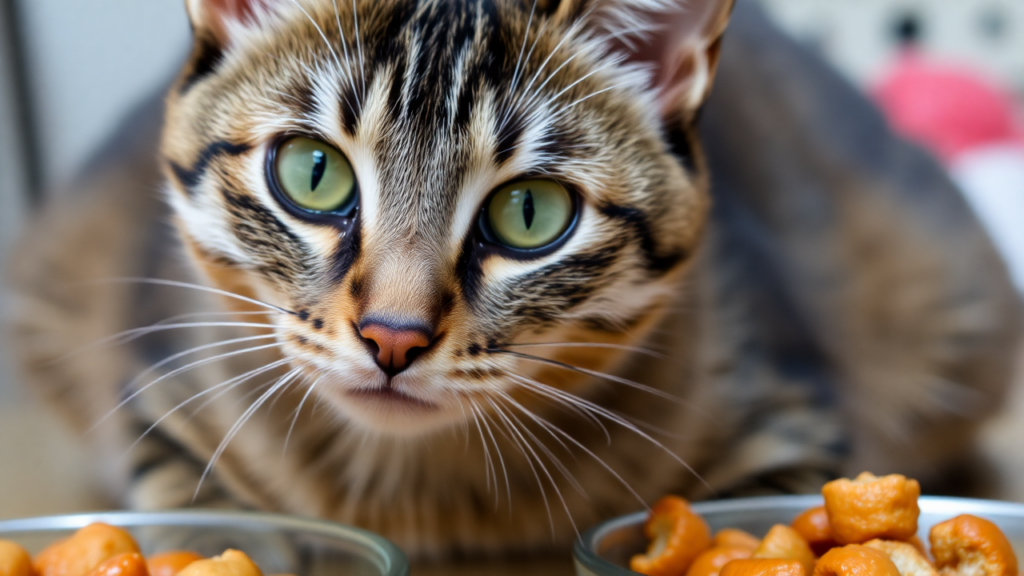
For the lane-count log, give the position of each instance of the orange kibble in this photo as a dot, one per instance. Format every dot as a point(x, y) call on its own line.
point(710, 562)
point(870, 507)
point(14, 560)
point(170, 563)
point(677, 537)
point(813, 525)
point(970, 546)
point(763, 567)
point(785, 543)
point(127, 564)
point(734, 538)
point(84, 550)
point(908, 558)
point(230, 563)
point(855, 560)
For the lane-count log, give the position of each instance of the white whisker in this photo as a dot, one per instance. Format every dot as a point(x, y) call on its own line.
point(228, 383)
point(240, 422)
point(173, 373)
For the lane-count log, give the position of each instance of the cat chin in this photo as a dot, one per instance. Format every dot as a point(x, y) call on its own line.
point(394, 414)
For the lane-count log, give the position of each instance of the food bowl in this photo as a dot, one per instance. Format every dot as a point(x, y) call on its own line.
point(605, 549)
point(279, 544)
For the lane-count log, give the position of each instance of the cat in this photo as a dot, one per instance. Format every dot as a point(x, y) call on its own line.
point(451, 271)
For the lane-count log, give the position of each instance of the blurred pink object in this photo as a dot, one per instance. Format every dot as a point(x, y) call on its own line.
point(948, 109)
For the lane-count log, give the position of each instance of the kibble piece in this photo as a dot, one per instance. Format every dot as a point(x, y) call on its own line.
point(785, 543)
point(677, 537)
point(971, 546)
point(170, 563)
point(734, 538)
point(907, 558)
point(764, 567)
point(813, 525)
point(710, 562)
point(870, 507)
point(14, 560)
point(230, 563)
point(127, 564)
point(855, 560)
point(84, 551)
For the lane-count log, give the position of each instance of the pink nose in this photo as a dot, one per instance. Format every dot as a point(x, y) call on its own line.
point(394, 348)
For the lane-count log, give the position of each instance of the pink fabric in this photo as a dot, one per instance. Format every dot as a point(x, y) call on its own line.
point(948, 109)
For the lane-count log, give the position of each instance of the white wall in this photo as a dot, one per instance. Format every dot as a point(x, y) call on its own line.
point(90, 61)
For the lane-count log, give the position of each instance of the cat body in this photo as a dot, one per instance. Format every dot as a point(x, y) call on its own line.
point(812, 316)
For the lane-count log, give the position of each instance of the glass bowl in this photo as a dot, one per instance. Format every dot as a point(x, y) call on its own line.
point(605, 549)
point(279, 544)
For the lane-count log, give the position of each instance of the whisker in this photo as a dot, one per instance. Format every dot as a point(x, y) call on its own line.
point(617, 419)
point(547, 451)
point(229, 383)
point(511, 427)
point(181, 317)
point(594, 373)
point(298, 411)
point(175, 372)
point(624, 347)
point(485, 419)
point(551, 428)
point(199, 287)
point(488, 463)
point(523, 450)
point(240, 422)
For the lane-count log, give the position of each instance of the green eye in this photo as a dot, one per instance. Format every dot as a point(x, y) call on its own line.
point(314, 175)
point(530, 214)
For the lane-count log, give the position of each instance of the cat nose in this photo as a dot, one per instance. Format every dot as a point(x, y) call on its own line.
point(395, 347)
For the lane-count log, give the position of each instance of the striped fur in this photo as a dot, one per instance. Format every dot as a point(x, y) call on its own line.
point(643, 356)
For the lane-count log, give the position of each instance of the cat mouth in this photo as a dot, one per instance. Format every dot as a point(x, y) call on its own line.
point(389, 396)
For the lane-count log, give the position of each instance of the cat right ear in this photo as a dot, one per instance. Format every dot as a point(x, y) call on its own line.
point(217, 19)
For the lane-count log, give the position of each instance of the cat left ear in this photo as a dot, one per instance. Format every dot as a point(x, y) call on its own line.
point(215, 18)
point(679, 39)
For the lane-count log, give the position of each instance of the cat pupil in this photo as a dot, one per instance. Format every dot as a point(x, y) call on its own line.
point(319, 167)
point(528, 209)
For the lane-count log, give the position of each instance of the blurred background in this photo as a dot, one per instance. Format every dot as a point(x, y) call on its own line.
point(949, 73)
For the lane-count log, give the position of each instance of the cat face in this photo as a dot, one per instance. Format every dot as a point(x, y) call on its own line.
point(428, 189)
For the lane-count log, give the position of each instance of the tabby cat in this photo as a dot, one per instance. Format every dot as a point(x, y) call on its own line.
point(451, 272)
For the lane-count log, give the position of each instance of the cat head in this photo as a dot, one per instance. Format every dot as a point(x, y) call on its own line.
point(427, 188)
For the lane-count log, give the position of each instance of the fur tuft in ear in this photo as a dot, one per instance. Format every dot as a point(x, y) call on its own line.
point(678, 39)
point(214, 18)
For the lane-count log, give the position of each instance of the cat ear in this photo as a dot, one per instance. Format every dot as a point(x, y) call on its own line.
point(215, 19)
point(679, 39)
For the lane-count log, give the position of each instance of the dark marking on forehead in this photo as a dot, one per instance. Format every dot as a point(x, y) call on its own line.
point(306, 100)
point(207, 55)
point(190, 177)
point(508, 138)
point(640, 225)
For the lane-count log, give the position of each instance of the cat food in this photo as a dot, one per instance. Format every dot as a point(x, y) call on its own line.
point(104, 550)
point(970, 546)
point(14, 560)
point(869, 507)
point(855, 560)
point(867, 527)
point(677, 536)
point(763, 567)
point(783, 542)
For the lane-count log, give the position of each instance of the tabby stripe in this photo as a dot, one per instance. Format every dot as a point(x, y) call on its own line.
point(190, 177)
point(638, 221)
point(207, 56)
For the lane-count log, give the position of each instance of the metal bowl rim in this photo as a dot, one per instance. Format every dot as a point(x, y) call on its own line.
point(387, 555)
point(585, 546)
